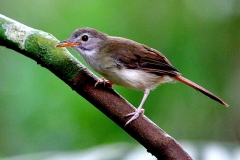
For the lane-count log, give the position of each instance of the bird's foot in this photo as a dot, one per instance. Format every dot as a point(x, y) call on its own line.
point(134, 115)
point(104, 82)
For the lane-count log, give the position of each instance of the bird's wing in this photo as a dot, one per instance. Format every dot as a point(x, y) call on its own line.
point(144, 58)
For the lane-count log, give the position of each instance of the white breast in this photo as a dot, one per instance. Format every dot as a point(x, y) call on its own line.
point(136, 79)
point(91, 58)
point(131, 78)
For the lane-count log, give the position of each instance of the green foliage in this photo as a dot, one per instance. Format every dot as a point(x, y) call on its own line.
point(38, 112)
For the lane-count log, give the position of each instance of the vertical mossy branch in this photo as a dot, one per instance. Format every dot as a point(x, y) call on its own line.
point(40, 46)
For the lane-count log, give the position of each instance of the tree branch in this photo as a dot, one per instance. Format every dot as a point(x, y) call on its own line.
point(40, 46)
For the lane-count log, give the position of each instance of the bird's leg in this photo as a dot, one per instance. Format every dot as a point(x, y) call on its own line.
point(104, 82)
point(139, 110)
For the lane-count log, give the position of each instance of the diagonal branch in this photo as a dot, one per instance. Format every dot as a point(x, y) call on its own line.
point(40, 46)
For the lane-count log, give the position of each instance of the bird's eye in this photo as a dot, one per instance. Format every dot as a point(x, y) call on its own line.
point(85, 38)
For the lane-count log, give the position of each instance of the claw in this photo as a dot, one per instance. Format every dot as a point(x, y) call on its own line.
point(139, 110)
point(134, 115)
point(104, 82)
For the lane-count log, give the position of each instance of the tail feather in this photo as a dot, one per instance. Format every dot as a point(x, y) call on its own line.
point(199, 88)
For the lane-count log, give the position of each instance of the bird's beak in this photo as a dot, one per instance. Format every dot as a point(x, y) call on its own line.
point(65, 43)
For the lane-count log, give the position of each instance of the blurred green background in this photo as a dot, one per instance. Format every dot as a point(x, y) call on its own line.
point(38, 112)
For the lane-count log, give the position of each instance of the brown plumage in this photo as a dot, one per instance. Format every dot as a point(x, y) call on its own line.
point(127, 63)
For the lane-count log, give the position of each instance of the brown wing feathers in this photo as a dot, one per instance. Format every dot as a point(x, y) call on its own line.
point(146, 59)
point(154, 62)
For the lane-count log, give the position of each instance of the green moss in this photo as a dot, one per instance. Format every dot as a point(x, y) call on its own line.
point(41, 47)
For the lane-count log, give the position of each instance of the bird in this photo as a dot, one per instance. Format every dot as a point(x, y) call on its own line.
point(127, 63)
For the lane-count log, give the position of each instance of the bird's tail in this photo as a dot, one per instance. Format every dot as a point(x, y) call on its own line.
point(199, 88)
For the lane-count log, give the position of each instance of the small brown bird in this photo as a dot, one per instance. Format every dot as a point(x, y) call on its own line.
point(127, 63)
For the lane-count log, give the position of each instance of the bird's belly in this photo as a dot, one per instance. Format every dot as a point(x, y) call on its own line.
point(135, 79)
